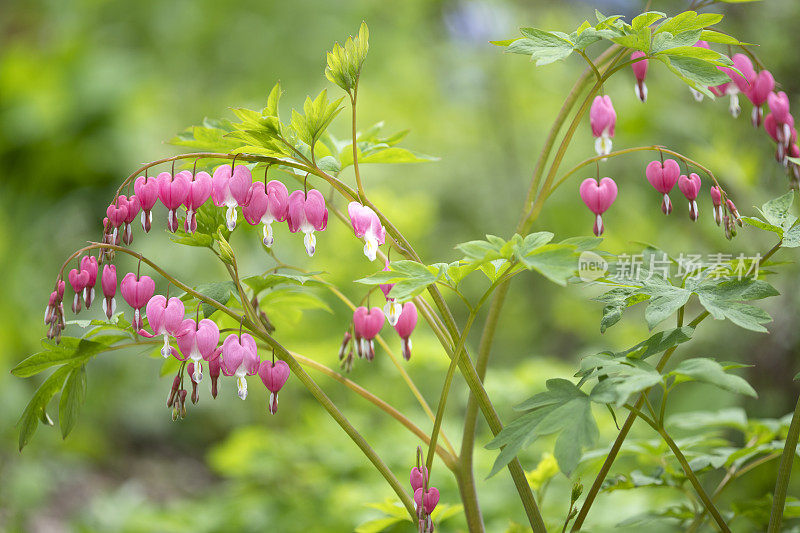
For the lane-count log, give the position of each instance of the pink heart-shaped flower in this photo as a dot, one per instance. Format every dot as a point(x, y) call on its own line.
point(663, 176)
point(690, 186)
point(598, 197)
point(274, 375)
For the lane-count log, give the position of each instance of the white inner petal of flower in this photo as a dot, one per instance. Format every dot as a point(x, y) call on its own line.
point(370, 246)
point(267, 231)
point(230, 217)
point(311, 242)
point(165, 350)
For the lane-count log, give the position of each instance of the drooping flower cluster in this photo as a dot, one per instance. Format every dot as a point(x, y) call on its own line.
point(231, 187)
point(759, 87)
point(367, 324)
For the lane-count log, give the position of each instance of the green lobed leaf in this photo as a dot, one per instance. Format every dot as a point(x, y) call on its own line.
point(709, 371)
point(563, 409)
point(542, 46)
point(409, 278)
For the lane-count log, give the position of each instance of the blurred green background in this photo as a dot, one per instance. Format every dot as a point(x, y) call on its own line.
point(90, 89)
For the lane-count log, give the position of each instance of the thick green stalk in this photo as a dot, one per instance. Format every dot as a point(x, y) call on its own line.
point(784, 471)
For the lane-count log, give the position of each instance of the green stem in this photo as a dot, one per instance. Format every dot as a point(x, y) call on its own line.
point(676, 451)
point(784, 471)
point(448, 459)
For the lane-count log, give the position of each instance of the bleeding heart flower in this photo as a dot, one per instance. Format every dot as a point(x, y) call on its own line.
point(306, 213)
point(230, 187)
point(716, 198)
point(137, 291)
point(197, 342)
point(78, 279)
point(744, 80)
point(214, 368)
point(108, 282)
point(367, 226)
point(132, 206)
point(405, 326)
point(172, 191)
point(598, 198)
point(367, 323)
point(240, 359)
point(690, 187)
point(268, 203)
point(198, 194)
point(274, 374)
point(165, 318)
point(640, 72)
point(418, 476)
point(427, 500)
point(89, 264)
point(146, 189)
point(602, 118)
point(760, 88)
point(117, 213)
point(663, 176)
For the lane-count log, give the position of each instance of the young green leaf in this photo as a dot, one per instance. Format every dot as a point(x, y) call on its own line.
point(344, 62)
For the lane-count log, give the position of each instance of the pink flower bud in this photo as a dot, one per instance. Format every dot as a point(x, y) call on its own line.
point(214, 367)
point(640, 72)
point(108, 282)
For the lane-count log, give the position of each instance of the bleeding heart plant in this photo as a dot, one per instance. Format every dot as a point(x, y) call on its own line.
point(303, 150)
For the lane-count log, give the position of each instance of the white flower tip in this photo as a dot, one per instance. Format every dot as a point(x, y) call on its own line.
point(311, 242)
